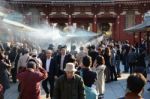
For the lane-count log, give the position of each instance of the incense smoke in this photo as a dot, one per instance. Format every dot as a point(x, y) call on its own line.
point(43, 34)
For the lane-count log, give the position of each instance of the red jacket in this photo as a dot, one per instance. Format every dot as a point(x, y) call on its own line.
point(30, 83)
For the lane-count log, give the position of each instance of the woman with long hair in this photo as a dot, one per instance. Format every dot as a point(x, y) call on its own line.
point(111, 74)
point(99, 67)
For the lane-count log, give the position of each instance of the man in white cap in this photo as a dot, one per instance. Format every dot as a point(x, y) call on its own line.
point(69, 85)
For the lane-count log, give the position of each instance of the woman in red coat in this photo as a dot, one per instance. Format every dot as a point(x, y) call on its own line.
point(30, 81)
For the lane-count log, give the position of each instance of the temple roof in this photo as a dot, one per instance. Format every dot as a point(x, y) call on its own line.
point(72, 1)
point(66, 0)
point(62, 1)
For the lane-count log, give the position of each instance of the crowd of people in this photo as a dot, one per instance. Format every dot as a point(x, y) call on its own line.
point(70, 74)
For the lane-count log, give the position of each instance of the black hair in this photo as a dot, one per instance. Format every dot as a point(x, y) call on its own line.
point(31, 65)
point(34, 61)
point(136, 82)
point(87, 61)
point(100, 60)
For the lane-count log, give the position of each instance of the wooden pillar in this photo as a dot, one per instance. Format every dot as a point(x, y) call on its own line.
point(122, 35)
point(138, 20)
point(48, 18)
point(113, 31)
point(117, 28)
point(95, 23)
point(69, 20)
point(29, 18)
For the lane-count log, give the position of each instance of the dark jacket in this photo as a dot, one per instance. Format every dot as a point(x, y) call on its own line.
point(53, 67)
point(93, 55)
point(69, 89)
point(67, 59)
point(89, 77)
point(4, 79)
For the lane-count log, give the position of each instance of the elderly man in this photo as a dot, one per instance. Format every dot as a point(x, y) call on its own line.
point(69, 85)
point(30, 81)
point(50, 66)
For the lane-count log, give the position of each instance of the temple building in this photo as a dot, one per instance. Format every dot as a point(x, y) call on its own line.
point(101, 16)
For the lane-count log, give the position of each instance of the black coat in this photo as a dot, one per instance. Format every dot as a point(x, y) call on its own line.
point(89, 77)
point(93, 55)
point(4, 79)
point(67, 59)
point(53, 67)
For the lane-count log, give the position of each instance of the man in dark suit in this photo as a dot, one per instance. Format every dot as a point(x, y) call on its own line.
point(49, 65)
point(62, 59)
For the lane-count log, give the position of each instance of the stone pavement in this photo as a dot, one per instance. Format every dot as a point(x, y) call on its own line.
point(114, 90)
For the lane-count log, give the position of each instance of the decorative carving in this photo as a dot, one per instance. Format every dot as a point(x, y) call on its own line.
point(123, 13)
point(69, 9)
point(93, 7)
point(118, 9)
point(137, 13)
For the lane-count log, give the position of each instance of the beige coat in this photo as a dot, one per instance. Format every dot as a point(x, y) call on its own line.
point(100, 83)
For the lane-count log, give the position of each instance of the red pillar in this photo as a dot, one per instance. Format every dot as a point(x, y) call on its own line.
point(25, 19)
point(29, 18)
point(138, 20)
point(69, 20)
point(113, 31)
point(117, 28)
point(95, 23)
point(122, 34)
point(48, 19)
